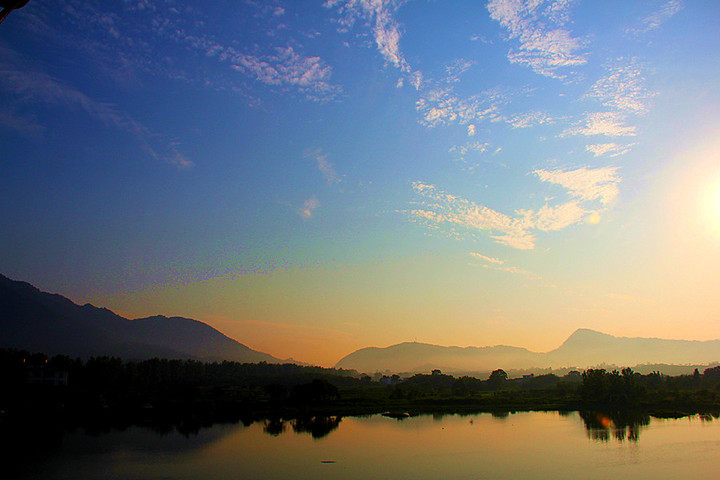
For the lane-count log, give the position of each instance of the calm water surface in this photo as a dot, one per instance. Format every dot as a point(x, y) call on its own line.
point(525, 445)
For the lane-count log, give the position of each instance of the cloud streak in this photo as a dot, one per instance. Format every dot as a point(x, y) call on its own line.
point(386, 31)
point(658, 18)
point(161, 34)
point(460, 151)
point(480, 256)
point(286, 67)
point(609, 149)
point(444, 208)
point(326, 168)
point(622, 89)
point(442, 106)
point(610, 124)
point(585, 183)
point(530, 119)
point(590, 191)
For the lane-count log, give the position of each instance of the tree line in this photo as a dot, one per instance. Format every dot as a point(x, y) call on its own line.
point(179, 388)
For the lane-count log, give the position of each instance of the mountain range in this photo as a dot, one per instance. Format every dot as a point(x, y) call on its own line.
point(584, 348)
point(42, 322)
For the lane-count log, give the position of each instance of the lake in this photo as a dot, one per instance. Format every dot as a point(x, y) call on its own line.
point(524, 445)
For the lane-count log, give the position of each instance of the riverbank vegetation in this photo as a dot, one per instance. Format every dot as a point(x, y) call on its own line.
point(106, 391)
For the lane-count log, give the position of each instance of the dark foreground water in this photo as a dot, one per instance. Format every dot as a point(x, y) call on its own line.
point(525, 445)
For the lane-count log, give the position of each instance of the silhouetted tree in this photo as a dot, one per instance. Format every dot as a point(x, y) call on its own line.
point(497, 378)
point(615, 388)
point(712, 373)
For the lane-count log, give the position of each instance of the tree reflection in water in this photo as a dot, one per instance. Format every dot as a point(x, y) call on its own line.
point(709, 417)
point(274, 426)
point(318, 426)
point(502, 414)
point(620, 425)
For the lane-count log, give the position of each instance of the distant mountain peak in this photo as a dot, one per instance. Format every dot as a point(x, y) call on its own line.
point(582, 334)
point(585, 348)
point(588, 332)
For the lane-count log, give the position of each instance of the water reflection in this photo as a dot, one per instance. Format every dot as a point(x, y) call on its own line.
point(621, 426)
point(274, 426)
point(317, 427)
point(423, 447)
point(708, 417)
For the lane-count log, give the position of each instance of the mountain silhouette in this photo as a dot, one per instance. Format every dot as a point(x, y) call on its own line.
point(37, 321)
point(588, 347)
point(584, 348)
point(413, 356)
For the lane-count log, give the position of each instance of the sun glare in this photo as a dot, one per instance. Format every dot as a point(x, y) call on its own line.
point(711, 208)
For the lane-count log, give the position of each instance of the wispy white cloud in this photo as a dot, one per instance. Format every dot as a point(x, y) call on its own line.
point(521, 242)
point(481, 38)
point(657, 18)
point(585, 183)
point(471, 130)
point(548, 218)
point(609, 149)
point(287, 67)
point(558, 11)
point(461, 150)
point(33, 86)
point(622, 89)
point(610, 124)
point(444, 208)
point(442, 106)
point(416, 79)
point(326, 168)
point(545, 46)
point(529, 119)
point(499, 265)
point(159, 36)
point(496, 261)
point(590, 192)
point(386, 31)
point(456, 68)
point(308, 209)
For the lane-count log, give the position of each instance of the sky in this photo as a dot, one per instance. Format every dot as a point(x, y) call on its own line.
point(314, 177)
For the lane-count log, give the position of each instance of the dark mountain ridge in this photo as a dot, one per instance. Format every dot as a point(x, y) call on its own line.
point(37, 321)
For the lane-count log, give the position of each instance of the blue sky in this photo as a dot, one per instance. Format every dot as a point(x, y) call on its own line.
point(313, 177)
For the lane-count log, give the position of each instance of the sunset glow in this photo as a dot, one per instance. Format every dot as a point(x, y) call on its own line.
point(316, 177)
point(711, 207)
